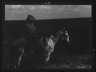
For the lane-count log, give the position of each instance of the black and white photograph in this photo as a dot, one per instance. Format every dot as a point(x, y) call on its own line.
point(47, 37)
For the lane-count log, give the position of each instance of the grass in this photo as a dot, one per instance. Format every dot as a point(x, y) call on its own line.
point(71, 62)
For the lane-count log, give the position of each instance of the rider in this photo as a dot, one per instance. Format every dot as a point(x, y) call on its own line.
point(30, 23)
point(32, 38)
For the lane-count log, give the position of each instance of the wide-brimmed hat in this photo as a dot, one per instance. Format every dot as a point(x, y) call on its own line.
point(30, 18)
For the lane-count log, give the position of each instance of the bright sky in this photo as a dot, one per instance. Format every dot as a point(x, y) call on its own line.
point(20, 12)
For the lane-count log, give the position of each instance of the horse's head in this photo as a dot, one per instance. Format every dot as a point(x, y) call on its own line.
point(64, 35)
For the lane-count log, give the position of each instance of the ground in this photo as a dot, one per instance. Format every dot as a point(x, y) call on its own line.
point(71, 62)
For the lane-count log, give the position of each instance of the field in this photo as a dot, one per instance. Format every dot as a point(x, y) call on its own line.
point(71, 62)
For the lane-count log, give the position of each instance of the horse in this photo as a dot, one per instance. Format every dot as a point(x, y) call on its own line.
point(48, 43)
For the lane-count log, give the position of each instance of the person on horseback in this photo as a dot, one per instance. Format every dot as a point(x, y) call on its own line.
point(30, 23)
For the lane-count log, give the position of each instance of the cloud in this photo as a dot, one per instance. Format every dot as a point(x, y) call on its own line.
point(32, 7)
point(15, 6)
point(45, 7)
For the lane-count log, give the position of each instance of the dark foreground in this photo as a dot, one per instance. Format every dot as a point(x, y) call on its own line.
point(71, 62)
point(74, 62)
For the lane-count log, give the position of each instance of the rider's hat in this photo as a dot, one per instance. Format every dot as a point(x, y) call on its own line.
point(30, 18)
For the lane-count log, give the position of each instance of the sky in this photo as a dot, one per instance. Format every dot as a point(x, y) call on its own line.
point(20, 12)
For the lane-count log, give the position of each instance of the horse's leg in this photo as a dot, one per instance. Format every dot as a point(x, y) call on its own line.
point(48, 57)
